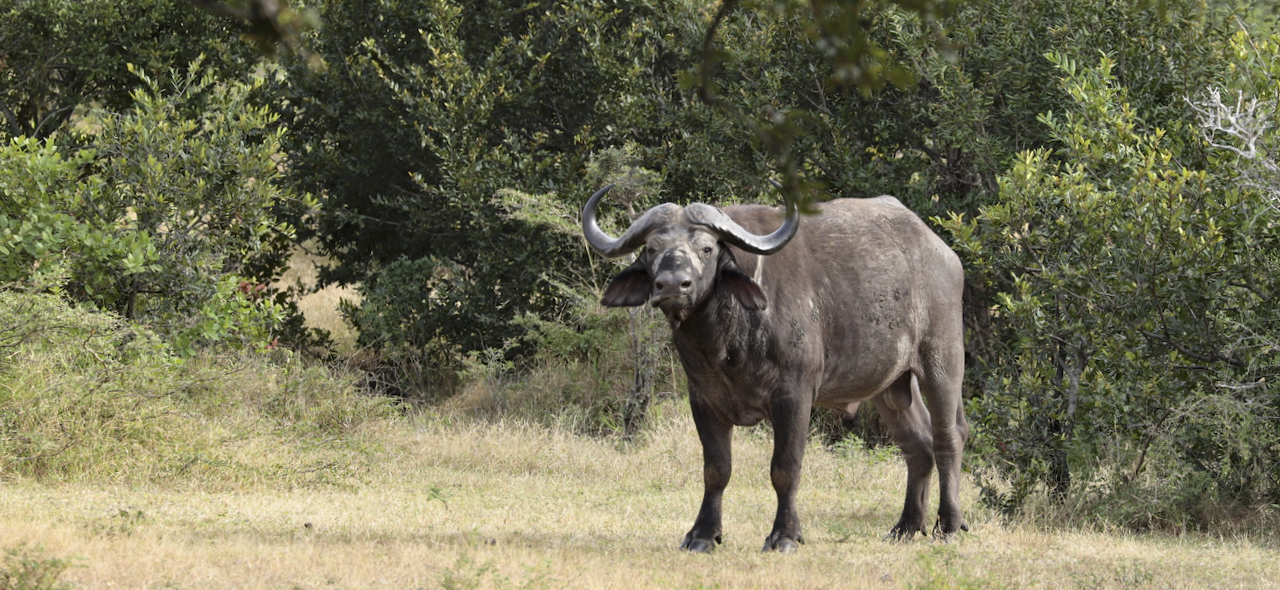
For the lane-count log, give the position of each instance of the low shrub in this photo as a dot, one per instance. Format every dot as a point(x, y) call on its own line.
point(85, 395)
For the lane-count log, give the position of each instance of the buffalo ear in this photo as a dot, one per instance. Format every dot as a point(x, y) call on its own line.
point(733, 280)
point(630, 288)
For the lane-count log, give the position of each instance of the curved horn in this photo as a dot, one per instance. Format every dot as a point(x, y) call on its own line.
point(737, 235)
point(634, 236)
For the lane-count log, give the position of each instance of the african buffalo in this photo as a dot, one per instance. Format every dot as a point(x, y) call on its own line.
point(863, 302)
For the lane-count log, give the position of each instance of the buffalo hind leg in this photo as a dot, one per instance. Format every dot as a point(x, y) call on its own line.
point(717, 467)
point(790, 419)
point(905, 414)
point(940, 383)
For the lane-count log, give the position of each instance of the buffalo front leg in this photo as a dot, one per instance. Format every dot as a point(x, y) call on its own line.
point(717, 467)
point(790, 418)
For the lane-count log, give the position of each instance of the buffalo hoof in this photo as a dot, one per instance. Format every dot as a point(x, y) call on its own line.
point(781, 543)
point(945, 533)
point(694, 545)
point(901, 533)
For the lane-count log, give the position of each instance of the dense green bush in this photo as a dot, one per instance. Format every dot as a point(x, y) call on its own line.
point(68, 66)
point(162, 219)
point(44, 200)
point(1132, 320)
point(194, 167)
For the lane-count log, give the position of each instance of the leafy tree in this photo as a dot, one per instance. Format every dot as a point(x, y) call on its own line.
point(959, 109)
point(194, 168)
point(60, 55)
point(62, 62)
point(429, 109)
point(437, 108)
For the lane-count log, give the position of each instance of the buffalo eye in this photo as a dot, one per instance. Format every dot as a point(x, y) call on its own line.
point(706, 250)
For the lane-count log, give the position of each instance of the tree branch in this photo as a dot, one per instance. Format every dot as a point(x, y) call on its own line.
point(1207, 358)
point(14, 127)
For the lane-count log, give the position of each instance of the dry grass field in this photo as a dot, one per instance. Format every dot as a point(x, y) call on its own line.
point(446, 502)
point(126, 470)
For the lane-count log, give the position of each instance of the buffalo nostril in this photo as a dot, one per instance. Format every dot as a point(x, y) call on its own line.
point(658, 285)
point(686, 284)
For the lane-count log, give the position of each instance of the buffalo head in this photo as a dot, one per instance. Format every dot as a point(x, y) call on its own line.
point(685, 257)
